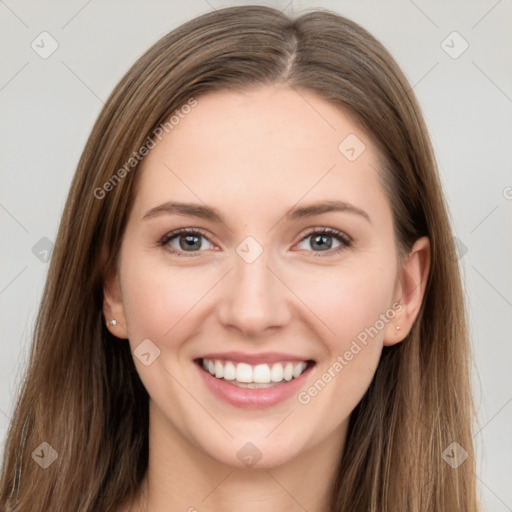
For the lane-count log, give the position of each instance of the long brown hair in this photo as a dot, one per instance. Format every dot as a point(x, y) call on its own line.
point(81, 393)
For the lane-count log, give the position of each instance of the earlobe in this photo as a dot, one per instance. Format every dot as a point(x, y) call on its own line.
point(412, 278)
point(113, 308)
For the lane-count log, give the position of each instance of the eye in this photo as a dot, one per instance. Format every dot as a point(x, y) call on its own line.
point(322, 240)
point(187, 240)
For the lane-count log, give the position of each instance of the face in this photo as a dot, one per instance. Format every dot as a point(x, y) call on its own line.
point(268, 280)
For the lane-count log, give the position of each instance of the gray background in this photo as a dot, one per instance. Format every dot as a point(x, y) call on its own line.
point(49, 105)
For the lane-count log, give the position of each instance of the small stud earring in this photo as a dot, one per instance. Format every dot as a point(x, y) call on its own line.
point(397, 327)
point(112, 323)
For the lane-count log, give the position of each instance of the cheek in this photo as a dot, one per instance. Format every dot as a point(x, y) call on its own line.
point(351, 305)
point(157, 296)
point(348, 299)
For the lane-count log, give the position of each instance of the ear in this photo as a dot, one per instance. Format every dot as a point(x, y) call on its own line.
point(411, 283)
point(113, 308)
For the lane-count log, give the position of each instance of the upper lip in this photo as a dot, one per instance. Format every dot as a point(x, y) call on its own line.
point(258, 358)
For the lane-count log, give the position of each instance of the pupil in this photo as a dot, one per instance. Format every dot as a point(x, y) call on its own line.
point(323, 244)
point(190, 241)
point(321, 241)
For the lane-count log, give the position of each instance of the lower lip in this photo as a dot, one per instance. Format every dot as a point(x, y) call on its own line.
point(253, 398)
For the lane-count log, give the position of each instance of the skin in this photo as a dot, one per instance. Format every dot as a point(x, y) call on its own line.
point(254, 156)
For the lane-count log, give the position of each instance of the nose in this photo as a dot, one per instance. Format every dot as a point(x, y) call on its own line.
point(254, 298)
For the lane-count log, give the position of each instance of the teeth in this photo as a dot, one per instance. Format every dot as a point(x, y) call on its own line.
point(247, 375)
point(229, 371)
point(276, 374)
point(288, 371)
point(219, 369)
point(261, 374)
point(243, 372)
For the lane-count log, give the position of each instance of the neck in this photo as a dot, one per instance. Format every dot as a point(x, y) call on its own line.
point(182, 477)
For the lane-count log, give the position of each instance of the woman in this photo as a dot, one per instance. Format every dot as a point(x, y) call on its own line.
point(201, 343)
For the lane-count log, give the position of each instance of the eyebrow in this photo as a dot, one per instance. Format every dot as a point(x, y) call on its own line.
point(209, 213)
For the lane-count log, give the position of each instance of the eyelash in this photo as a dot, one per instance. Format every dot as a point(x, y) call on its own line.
point(338, 235)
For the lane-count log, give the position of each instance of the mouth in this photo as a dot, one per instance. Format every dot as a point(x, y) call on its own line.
point(254, 385)
point(259, 376)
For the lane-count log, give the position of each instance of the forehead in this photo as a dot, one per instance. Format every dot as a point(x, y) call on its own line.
point(265, 146)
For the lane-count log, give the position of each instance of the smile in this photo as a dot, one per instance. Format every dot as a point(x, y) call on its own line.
point(253, 386)
point(254, 376)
